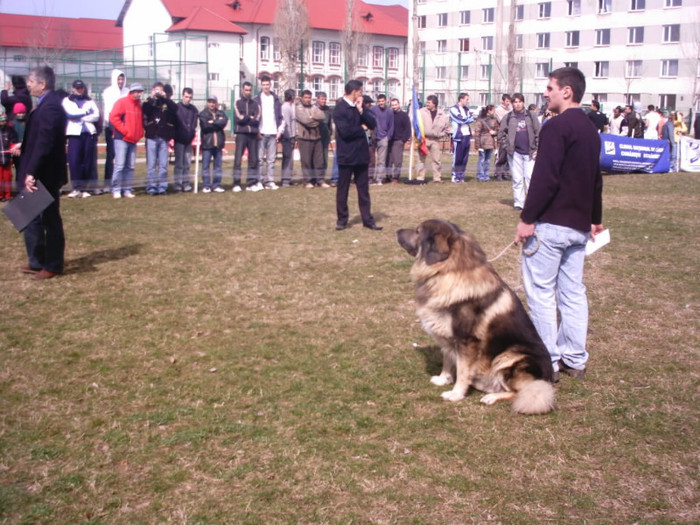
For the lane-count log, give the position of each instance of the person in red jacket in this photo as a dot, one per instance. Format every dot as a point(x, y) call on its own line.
point(126, 118)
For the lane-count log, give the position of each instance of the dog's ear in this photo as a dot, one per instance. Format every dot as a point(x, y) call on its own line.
point(435, 246)
point(408, 240)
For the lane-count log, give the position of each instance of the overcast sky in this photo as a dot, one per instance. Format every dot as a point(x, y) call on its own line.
point(91, 9)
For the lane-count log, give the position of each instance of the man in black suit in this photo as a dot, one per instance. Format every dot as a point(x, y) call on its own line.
point(352, 150)
point(43, 158)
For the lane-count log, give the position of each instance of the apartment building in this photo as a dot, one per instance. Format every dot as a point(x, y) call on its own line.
point(629, 50)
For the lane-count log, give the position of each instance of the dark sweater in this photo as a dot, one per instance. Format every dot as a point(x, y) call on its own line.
point(567, 186)
point(402, 126)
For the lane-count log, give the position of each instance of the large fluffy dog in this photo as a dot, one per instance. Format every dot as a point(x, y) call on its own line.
point(479, 323)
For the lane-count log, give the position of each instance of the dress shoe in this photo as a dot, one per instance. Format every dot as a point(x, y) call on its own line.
point(29, 269)
point(44, 274)
point(373, 227)
point(340, 226)
point(575, 373)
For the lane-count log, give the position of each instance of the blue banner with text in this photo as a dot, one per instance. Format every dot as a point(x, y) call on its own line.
point(625, 154)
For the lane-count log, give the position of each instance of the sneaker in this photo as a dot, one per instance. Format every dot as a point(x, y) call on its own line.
point(271, 186)
point(187, 188)
point(116, 195)
point(286, 184)
point(260, 186)
point(129, 195)
point(254, 188)
point(575, 373)
point(206, 190)
point(85, 195)
point(323, 184)
point(74, 194)
point(219, 190)
point(308, 185)
point(378, 183)
point(236, 189)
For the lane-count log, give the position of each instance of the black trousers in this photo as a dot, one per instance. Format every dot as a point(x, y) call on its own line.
point(45, 240)
point(361, 175)
point(243, 141)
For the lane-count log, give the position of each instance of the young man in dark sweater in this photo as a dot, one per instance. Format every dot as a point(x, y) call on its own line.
point(562, 211)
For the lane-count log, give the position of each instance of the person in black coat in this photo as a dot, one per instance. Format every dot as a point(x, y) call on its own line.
point(397, 141)
point(352, 150)
point(43, 158)
point(20, 93)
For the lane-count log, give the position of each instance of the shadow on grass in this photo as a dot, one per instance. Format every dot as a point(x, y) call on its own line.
point(88, 263)
point(433, 359)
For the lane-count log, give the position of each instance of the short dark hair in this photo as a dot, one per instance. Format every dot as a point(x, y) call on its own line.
point(265, 78)
point(651, 107)
point(505, 97)
point(306, 92)
point(46, 75)
point(352, 85)
point(462, 95)
point(397, 100)
point(518, 96)
point(432, 98)
point(289, 95)
point(245, 84)
point(187, 91)
point(381, 95)
point(595, 104)
point(572, 77)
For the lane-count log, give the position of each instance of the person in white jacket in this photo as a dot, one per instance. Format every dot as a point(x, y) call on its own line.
point(82, 114)
point(116, 90)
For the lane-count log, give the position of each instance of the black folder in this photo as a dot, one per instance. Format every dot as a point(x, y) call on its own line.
point(27, 205)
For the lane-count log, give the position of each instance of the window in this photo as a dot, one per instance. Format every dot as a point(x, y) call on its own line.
point(318, 52)
point(633, 69)
point(669, 68)
point(378, 86)
point(673, 3)
point(672, 33)
point(520, 12)
point(487, 43)
point(483, 99)
point(485, 71)
point(572, 38)
point(544, 10)
point(635, 35)
point(488, 15)
point(667, 101)
point(604, 6)
point(441, 99)
point(363, 55)
point(465, 18)
point(518, 41)
point(464, 45)
point(571, 64)
point(264, 48)
point(393, 88)
point(211, 45)
point(601, 97)
point(334, 84)
point(463, 71)
point(631, 98)
point(574, 7)
point(442, 19)
point(393, 57)
point(601, 69)
point(421, 22)
point(602, 37)
point(542, 40)
point(637, 5)
point(542, 70)
point(276, 53)
point(19, 58)
point(334, 54)
point(440, 73)
point(317, 84)
point(377, 56)
point(213, 76)
point(441, 46)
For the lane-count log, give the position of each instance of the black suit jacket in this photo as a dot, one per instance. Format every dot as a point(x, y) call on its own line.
point(351, 143)
point(44, 144)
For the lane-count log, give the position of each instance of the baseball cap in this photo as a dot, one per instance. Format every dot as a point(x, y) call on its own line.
point(78, 84)
point(19, 108)
point(366, 99)
point(212, 98)
point(135, 87)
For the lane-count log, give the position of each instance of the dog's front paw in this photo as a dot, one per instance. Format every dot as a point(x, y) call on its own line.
point(489, 399)
point(441, 380)
point(453, 396)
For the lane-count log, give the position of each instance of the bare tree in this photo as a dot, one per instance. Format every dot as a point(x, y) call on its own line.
point(49, 42)
point(292, 30)
point(353, 38)
point(513, 69)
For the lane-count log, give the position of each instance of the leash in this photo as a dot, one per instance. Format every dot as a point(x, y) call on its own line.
point(529, 252)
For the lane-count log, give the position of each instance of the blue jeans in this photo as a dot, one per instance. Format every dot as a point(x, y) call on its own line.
point(124, 161)
point(207, 156)
point(553, 279)
point(157, 155)
point(183, 160)
point(483, 165)
point(267, 154)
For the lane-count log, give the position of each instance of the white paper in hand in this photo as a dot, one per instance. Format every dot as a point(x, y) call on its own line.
point(601, 240)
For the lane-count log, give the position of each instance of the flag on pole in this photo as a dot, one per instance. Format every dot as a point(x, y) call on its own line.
point(418, 128)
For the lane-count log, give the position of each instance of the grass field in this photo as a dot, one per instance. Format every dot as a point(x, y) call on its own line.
point(231, 358)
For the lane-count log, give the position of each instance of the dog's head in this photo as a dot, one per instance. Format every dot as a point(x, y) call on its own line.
point(432, 240)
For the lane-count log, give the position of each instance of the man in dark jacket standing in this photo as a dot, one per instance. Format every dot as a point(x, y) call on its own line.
point(352, 150)
point(184, 133)
point(212, 122)
point(397, 142)
point(43, 158)
point(246, 117)
point(160, 119)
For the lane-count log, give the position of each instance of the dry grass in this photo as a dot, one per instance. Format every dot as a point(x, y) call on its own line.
point(232, 359)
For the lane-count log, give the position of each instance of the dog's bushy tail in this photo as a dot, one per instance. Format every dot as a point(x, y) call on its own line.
point(536, 397)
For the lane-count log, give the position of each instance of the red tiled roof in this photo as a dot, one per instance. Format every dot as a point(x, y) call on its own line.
point(73, 34)
point(323, 14)
point(202, 19)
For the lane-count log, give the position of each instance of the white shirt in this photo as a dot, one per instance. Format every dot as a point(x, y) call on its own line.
point(269, 125)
